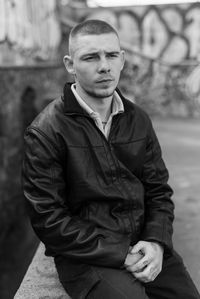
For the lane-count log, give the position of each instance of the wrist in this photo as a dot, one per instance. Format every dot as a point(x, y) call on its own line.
point(158, 246)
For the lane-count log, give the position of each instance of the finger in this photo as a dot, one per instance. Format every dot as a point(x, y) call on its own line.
point(138, 247)
point(149, 274)
point(142, 276)
point(154, 273)
point(140, 265)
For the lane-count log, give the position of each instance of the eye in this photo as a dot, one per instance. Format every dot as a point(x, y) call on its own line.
point(113, 55)
point(90, 58)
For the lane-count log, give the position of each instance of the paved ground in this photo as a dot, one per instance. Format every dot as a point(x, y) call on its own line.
point(180, 141)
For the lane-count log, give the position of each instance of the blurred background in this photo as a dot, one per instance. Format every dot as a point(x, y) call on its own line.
point(161, 74)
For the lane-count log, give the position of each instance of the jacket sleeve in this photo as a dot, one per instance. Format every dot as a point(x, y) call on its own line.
point(45, 192)
point(159, 207)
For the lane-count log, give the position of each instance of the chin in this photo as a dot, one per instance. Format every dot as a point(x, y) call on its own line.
point(104, 93)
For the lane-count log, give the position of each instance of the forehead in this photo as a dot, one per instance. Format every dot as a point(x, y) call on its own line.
point(83, 44)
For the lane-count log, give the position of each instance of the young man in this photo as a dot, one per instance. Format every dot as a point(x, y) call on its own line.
point(96, 184)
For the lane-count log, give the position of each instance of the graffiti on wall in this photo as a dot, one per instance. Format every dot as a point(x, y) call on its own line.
point(162, 46)
point(168, 32)
point(28, 29)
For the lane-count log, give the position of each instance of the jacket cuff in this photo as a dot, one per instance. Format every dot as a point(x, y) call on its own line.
point(162, 236)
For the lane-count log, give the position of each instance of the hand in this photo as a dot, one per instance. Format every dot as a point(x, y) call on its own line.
point(149, 266)
point(132, 258)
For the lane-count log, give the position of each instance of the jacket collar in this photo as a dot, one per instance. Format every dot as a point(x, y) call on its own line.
point(71, 106)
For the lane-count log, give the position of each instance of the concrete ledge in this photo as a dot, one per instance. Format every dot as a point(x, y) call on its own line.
point(41, 279)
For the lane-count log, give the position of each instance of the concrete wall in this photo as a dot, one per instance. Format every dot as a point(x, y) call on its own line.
point(23, 93)
point(29, 30)
point(41, 280)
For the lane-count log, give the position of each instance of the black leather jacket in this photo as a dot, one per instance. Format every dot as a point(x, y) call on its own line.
point(90, 198)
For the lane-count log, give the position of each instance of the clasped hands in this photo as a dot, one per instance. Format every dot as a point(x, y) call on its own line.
point(144, 260)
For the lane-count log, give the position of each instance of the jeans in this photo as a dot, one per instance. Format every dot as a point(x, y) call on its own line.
point(173, 282)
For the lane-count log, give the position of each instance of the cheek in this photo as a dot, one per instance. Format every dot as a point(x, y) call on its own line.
point(119, 68)
point(84, 80)
point(84, 74)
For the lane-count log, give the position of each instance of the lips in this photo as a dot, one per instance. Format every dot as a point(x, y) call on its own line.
point(105, 80)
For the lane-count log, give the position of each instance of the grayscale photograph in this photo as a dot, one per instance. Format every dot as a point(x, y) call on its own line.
point(99, 149)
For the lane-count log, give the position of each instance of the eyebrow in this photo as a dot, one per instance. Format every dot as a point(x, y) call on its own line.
point(96, 53)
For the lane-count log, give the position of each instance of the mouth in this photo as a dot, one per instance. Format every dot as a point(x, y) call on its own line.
point(105, 80)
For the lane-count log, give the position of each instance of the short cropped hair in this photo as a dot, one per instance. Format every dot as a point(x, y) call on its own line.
point(90, 27)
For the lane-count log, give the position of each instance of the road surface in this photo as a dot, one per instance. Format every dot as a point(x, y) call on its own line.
point(180, 142)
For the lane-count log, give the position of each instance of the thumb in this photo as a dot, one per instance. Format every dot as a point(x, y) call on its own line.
point(138, 247)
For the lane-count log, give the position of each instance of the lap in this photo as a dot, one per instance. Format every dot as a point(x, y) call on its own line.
point(94, 282)
point(174, 282)
point(118, 284)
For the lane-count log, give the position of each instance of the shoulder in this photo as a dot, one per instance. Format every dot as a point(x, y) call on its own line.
point(134, 111)
point(47, 124)
point(48, 115)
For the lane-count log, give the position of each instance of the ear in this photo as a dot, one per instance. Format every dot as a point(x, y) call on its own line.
point(122, 54)
point(68, 62)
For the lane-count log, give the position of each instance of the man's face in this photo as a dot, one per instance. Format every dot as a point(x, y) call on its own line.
point(96, 63)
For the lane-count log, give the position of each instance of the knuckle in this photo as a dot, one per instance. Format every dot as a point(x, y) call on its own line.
point(144, 263)
point(146, 277)
point(137, 270)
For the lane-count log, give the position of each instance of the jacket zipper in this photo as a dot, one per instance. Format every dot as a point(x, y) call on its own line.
point(132, 221)
point(107, 141)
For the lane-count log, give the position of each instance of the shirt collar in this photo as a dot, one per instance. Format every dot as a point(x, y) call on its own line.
point(117, 106)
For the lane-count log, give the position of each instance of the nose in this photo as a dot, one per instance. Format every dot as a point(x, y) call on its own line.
point(104, 66)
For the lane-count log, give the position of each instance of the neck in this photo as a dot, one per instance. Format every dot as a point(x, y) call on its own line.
point(102, 106)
